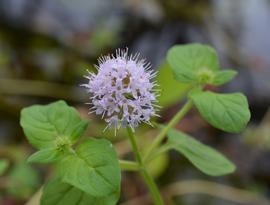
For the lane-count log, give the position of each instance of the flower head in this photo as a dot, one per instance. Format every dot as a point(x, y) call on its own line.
point(122, 91)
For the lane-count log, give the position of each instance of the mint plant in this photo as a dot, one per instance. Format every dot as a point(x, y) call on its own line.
point(122, 91)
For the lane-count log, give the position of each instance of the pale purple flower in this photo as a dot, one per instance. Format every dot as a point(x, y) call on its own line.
point(122, 91)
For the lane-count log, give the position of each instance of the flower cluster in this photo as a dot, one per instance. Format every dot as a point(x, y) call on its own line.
point(122, 91)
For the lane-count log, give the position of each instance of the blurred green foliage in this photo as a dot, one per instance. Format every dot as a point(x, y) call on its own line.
point(3, 166)
point(23, 181)
point(171, 91)
point(20, 181)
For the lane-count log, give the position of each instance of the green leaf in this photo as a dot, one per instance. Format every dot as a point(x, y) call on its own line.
point(94, 168)
point(79, 130)
point(223, 77)
point(57, 192)
point(3, 166)
point(205, 158)
point(228, 112)
point(193, 62)
point(46, 156)
point(43, 125)
point(167, 83)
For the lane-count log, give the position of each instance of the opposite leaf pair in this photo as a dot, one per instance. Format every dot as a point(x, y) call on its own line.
point(91, 168)
point(198, 64)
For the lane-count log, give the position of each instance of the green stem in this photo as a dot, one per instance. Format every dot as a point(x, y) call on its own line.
point(147, 178)
point(179, 115)
point(129, 165)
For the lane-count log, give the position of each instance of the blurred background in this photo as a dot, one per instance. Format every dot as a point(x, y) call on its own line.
point(47, 45)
